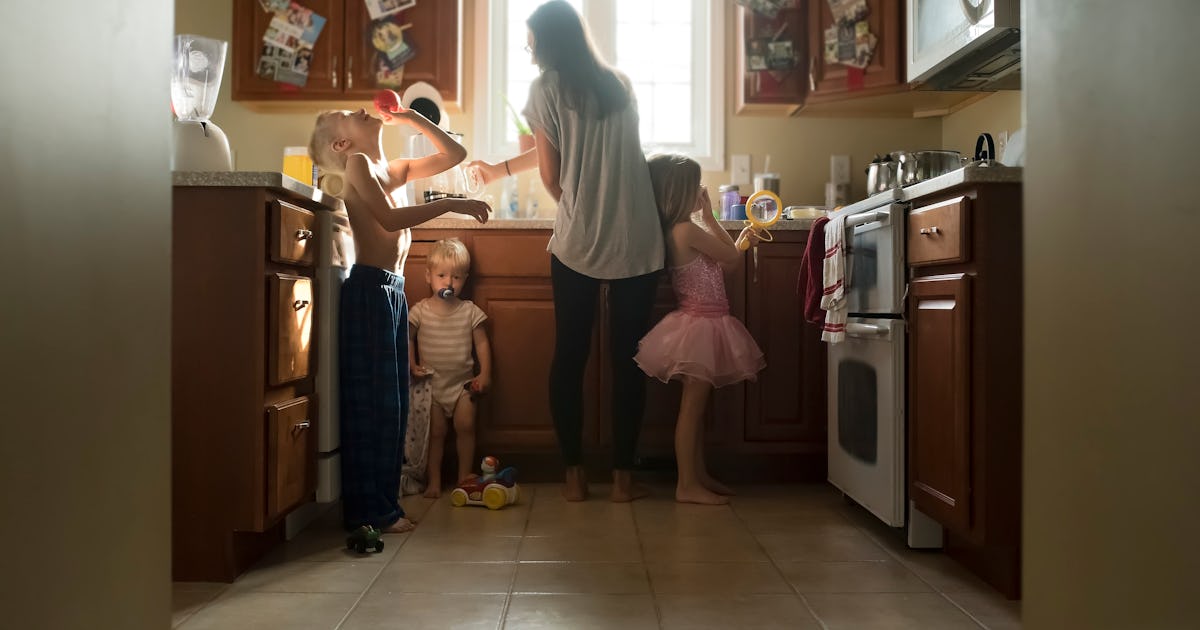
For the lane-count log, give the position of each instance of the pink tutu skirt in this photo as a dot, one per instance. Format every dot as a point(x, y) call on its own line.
point(715, 349)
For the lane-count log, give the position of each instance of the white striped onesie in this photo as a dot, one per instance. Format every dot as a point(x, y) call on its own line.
point(444, 343)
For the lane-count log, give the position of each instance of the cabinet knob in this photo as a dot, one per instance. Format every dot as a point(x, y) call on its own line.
point(299, 304)
point(349, 73)
point(303, 234)
point(333, 70)
point(929, 230)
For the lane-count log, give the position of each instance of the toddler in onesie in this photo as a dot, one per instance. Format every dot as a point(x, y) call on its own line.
point(444, 330)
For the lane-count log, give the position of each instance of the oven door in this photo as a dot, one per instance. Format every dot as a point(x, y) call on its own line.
point(875, 261)
point(866, 416)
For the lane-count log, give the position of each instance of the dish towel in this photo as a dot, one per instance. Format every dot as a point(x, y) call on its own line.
point(809, 284)
point(416, 440)
point(833, 280)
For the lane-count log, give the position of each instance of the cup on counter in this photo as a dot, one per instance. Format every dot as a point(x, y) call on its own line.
point(298, 166)
point(737, 212)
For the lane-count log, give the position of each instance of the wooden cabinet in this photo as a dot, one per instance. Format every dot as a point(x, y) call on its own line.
point(964, 373)
point(771, 91)
point(770, 431)
point(344, 60)
point(243, 411)
point(883, 74)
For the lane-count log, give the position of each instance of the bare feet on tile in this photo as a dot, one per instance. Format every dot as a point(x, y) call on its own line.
point(716, 486)
point(575, 487)
point(401, 526)
point(625, 490)
point(699, 494)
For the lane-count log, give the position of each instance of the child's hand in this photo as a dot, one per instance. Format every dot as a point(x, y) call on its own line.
point(749, 236)
point(420, 371)
point(410, 117)
point(488, 173)
point(481, 384)
point(705, 205)
point(474, 207)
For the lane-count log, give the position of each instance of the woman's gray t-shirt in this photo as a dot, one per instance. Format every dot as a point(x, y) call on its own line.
point(607, 225)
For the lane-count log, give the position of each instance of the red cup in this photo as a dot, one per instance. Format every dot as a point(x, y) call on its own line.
point(387, 103)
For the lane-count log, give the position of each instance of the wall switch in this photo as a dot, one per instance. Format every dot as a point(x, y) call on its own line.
point(739, 170)
point(839, 169)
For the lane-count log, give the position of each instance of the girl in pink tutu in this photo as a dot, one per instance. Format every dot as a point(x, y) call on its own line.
point(699, 343)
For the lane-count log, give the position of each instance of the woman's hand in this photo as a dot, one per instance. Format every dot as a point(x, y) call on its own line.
point(488, 172)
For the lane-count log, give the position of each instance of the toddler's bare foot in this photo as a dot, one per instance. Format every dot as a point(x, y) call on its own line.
point(699, 494)
point(625, 490)
point(401, 526)
point(575, 488)
point(716, 486)
point(433, 492)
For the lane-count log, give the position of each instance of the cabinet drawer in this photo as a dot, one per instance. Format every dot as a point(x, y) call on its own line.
point(293, 232)
point(289, 327)
point(938, 234)
point(291, 455)
point(516, 256)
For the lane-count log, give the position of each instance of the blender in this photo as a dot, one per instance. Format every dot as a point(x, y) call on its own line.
point(197, 143)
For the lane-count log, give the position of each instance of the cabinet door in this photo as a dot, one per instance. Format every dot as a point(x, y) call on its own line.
point(515, 415)
point(884, 73)
point(434, 33)
point(289, 327)
point(291, 456)
point(780, 90)
point(292, 232)
point(939, 422)
point(415, 286)
point(787, 403)
point(250, 23)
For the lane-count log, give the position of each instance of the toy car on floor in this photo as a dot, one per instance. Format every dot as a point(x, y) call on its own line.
point(492, 490)
point(363, 537)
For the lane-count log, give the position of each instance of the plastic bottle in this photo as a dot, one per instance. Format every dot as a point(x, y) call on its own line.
point(730, 195)
point(531, 200)
point(509, 201)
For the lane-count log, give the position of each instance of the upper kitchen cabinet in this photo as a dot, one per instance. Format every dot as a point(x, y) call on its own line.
point(345, 63)
point(839, 65)
point(774, 47)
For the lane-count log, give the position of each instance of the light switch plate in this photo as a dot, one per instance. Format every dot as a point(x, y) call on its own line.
point(839, 169)
point(740, 169)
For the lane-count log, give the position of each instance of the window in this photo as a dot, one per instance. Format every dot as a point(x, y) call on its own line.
point(672, 51)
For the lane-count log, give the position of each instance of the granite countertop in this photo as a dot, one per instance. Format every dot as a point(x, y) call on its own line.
point(256, 179)
point(971, 174)
point(548, 224)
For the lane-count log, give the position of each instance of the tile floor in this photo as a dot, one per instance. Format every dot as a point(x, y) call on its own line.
point(779, 557)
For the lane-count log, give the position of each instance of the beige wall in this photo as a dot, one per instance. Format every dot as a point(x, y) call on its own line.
point(85, 317)
point(1112, 354)
point(997, 114)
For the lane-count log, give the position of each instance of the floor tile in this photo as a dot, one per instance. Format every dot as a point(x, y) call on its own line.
point(309, 577)
point(581, 577)
point(680, 519)
point(581, 549)
point(581, 612)
point(719, 612)
point(460, 549)
point(822, 548)
point(471, 521)
point(726, 578)
point(888, 611)
point(384, 610)
point(796, 522)
point(942, 572)
point(563, 522)
point(329, 545)
point(728, 548)
point(189, 597)
point(852, 577)
point(446, 577)
point(248, 610)
point(991, 609)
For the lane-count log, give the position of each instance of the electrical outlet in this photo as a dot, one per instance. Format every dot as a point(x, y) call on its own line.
point(839, 169)
point(739, 171)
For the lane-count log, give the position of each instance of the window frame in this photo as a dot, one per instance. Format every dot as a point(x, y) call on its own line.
point(708, 83)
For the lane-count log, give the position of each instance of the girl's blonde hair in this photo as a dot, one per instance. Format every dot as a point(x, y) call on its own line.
point(450, 250)
point(676, 182)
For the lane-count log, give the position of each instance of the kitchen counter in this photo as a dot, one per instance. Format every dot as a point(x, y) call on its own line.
point(972, 174)
point(548, 224)
point(256, 179)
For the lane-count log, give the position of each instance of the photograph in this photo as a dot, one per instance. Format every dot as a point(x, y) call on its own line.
point(388, 37)
point(274, 6)
point(281, 35)
point(266, 67)
point(303, 60)
point(383, 8)
point(756, 53)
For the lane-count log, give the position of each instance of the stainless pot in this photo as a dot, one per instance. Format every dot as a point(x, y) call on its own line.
point(881, 174)
point(919, 166)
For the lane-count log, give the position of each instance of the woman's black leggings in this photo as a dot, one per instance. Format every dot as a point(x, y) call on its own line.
point(629, 303)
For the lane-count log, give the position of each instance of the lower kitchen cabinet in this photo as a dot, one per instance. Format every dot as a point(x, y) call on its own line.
point(770, 431)
point(964, 371)
point(243, 407)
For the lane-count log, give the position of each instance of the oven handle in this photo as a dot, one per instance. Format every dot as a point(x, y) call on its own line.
point(864, 218)
point(865, 331)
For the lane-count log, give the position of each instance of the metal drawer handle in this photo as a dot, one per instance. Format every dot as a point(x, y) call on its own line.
point(334, 73)
point(303, 235)
point(299, 304)
point(301, 426)
point(349, 73)
point(929, 230)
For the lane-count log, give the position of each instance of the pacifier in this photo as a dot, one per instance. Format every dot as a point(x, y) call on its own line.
point(446, 293)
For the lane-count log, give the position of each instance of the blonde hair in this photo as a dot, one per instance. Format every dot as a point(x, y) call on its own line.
point(450, 250)
point(676, 182)
point(320, 146)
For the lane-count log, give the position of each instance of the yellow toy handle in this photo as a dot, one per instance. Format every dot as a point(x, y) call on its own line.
point(760, 227)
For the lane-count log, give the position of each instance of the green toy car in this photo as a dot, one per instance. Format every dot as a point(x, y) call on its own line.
point(363, 537)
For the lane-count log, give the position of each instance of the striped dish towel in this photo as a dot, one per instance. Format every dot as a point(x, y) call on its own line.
point(833, 277)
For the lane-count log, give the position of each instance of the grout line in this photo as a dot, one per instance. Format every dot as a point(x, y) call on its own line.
point(512, 581)
point(637, 535)
point(407, 537)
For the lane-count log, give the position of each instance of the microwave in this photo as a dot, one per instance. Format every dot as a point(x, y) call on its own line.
point(964, 44)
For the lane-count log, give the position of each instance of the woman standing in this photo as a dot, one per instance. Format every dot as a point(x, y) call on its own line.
point(587, 148)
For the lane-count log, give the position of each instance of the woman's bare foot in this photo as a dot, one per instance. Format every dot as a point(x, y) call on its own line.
point(433, 492)
point(716, 486)
point(402, 526)
point(699, 494)
point(625, 490)
point(575, 487)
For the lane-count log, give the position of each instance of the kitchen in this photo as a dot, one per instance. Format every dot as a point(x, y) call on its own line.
point(860, 139)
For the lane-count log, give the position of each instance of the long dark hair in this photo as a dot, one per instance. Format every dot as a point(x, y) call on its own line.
point(562, 43)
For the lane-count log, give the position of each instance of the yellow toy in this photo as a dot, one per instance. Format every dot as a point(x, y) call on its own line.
point(763, 209)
